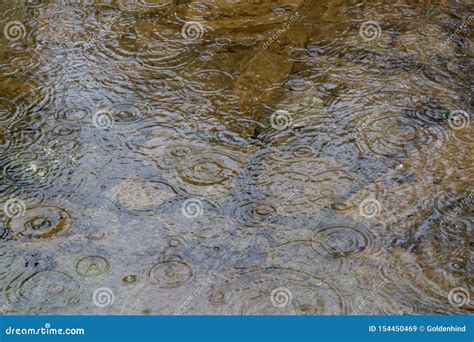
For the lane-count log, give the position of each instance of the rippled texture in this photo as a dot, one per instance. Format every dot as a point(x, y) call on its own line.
point(236, 157)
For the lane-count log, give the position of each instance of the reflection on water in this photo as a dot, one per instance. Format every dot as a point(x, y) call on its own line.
point(236, 157)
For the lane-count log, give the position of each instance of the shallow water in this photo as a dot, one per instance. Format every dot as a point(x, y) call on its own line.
point(239, 157)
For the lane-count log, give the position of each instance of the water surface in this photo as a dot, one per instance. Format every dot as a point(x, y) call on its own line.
point(236, 157)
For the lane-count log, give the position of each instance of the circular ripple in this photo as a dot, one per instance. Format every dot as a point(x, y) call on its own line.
point(212, 231)
point(447, 254)
point(27, 170)
point(139, 195)
point(254, 214)
point(195, 11)
point(66, 131)
point(43, 290)
point(154, 4)
point(279, 184)
point(209, 81)
point(151, 141)
point(208, 169)
point(75, 115)
point(211, 174)
point(92, 266)
point(250, 294)
point(125, 113)
point(21, 63)
point(309, 111)
point(341, 241)
point(464, 136)
point(432, 273)
point(456, 228)
point(304, 193)
point(172, 156)
point(130, 279)
point(231, 139)
point(353, 281)
point(398, 137)
point(402, 271)
point(170, 274)
point(292, 153)
point(298, 85)
point(35, 3)
point(39, 223)
point(164, 50)
point(19, 139)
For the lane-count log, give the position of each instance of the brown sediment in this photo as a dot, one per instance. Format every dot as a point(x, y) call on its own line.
point(263, 73)
point(191, 121)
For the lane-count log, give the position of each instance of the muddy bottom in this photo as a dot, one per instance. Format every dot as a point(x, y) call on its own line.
point(236, 157)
